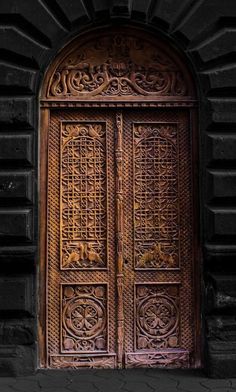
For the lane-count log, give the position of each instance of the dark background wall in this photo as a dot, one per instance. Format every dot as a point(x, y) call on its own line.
point(31, 33)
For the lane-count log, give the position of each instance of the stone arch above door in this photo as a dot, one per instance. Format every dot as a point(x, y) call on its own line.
point(36, 30)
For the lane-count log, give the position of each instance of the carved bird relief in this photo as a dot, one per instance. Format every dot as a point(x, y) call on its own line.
point(156, 256)
point(84, 252)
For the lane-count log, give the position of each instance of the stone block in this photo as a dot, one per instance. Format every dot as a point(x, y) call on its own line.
point(221, 184)
point(221, 360)
point(140, 9)
point(169, 11)
point(221, 148)
point(121, 7)
point(16, 149)
point(220, 258)
point(74, 10)
point(224, 110)
point(220, 46)
point(101, 8)
point(220, 293)
point(221, 328)
point(221, 223)
point(17, 332)
point(17, 360)
point(13, 79)
point(222, 78)
point(208, 12)
point(17, 111)
point(16, 296)
point(16, 226)
point(16, 187)
point(39, 18)
point(21, 259)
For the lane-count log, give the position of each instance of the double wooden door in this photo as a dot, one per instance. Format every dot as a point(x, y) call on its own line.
point(119, 281)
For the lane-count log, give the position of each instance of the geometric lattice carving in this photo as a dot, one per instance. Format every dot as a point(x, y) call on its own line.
point(84, 318)
point(83, 195)
point(117, 178)
point(117, 65)
point(157, 316)
point(119, 204)
point(155, 195)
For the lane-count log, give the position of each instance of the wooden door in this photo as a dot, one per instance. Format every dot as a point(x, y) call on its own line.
point(119, 281)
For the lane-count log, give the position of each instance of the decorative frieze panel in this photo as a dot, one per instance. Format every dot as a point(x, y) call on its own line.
point(83, 195)
point(160, 359)
point(117, 64)
point(84, 318)
point(156, 216)
point(157, 316)
point(89, 362)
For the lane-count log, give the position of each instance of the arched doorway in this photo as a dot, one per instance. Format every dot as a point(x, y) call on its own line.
point(119, 266)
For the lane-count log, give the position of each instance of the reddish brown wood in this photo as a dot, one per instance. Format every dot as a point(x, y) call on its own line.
point(119, 238)
point(120, 64)
point(122, 271)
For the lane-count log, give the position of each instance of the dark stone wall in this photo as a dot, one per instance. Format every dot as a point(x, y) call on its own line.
point(31, 33)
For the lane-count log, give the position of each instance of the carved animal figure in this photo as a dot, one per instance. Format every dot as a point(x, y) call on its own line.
point(92, 255)
point(84, 252)
point(165, 257)
point(157, 256)
point(73, 257)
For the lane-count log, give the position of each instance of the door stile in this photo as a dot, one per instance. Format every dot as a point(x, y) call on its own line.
point(119, 237)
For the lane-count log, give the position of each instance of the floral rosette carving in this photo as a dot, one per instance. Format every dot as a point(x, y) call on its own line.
point(84, 319)
point(157, 318)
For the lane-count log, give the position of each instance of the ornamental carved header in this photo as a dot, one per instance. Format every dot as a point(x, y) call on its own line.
point(117, 64)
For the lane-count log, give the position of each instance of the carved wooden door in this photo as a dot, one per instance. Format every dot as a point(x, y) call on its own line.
point(119, 280)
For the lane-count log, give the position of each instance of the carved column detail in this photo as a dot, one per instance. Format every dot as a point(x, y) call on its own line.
point(119, 236)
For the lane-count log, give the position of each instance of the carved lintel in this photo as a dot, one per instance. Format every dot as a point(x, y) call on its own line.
point(119, 237)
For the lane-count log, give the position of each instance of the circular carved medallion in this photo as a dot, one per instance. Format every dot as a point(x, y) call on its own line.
point(84, 317)
point(157, 316)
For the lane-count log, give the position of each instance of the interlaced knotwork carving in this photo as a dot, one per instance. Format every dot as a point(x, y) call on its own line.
point(84, 319)
point(155, 195)
point(83, 195)
point(157, 310)
point(117, 64)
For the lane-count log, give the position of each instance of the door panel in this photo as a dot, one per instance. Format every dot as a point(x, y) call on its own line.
point(158, 291)
point(81, 240)
point(120, 253)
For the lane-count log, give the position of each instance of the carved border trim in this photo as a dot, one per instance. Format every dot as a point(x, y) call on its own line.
point(118, 104)
point(119, 236)
point(89, 362)
point(161, 359)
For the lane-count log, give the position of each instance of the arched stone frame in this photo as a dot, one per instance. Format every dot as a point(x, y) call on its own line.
point(203, 32)
point(175, 94)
